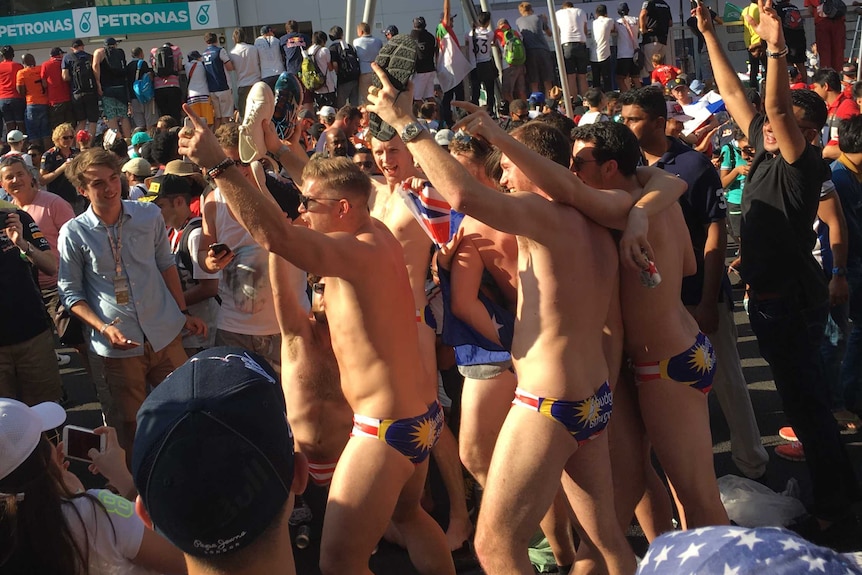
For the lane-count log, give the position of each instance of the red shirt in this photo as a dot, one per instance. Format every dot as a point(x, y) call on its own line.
point(664, 74)
point(8, 75)
point(59, 90)
point(843, 108)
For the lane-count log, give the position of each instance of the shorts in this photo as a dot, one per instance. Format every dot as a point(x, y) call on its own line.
point(576, 56)
point(626, 68)
point(514, 82)
point(649, 49)
point(584, 419)
point(222, 103)
point(426, 316)
point(36, 121)
point(321, 473)
point(12, 109)
point(540, 66)
point(144, 115)
point(86, 107)
point(60, 114)
point(734, 219)
point(29, 370)
point(423, 85)
point(485, 371)
point(796, 53)
point(203, 108)
point(695, 367)
point(412, 437)
point(114, 109)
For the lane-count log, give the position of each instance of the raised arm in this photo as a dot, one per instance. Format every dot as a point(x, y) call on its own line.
point(292, 318)
point(732, 91)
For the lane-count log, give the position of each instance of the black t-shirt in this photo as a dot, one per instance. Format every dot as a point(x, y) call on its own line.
point(132, 74)
point(692, 25)
point(658, 19)
point(792, 24)
point(53, 159)
point(778, 210)
point(22, 314)
point(427, 51)
point(702, 204)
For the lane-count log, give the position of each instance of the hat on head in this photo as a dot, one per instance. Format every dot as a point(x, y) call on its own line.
point(56, 51)
point(305, 113)
point(15, 136)
point(419, 23)
point(83, 136)
point(265, 30)
point(137, 166)
point(180, 168)
point(326, 111)
point(213, 455)
point(194, 55)
point(849, 69)
point(390, 30)
point(444, 137)
point(111, 41)
point(676, 83)
point(77, 43)
point(537, 98)
point(21, 428)
point(139, 138)
point(174, 185)
point(623, 8)
point(675, 112)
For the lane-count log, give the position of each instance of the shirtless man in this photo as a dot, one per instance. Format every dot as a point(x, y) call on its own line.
point(673, 362)
point(558, 345)
point(382, 470)
point(319, 415)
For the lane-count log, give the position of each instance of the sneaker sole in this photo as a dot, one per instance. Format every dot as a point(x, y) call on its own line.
point(795, 459)
point(398, 60)
point(787, 435)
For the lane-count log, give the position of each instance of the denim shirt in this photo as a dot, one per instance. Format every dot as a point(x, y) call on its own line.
point(87, 271)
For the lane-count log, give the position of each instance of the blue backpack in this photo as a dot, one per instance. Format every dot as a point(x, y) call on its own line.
point(143, 85)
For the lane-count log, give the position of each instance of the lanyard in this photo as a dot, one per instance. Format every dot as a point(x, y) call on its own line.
point(116, 248)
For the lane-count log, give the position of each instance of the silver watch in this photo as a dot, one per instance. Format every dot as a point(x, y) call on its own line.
point(412, 130)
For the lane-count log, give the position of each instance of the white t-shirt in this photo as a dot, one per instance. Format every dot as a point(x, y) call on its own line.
point(269, 50)
point(592, 118)
point(322, 57)
point(602, 29)
point(208, 309)
point(482, 48)
point(625, 45)
point(572, 22)
point(198, 80)
point(114, 538)
point(246, 64)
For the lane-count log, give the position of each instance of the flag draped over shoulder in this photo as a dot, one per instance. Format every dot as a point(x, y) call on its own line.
point(452, 65)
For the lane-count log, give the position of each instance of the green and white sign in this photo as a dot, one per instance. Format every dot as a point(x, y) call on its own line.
point(109, 21)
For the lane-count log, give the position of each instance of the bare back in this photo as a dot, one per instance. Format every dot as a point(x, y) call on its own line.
point(567, 269)
point(657, 325)
point(499, 253)
point(374, 335)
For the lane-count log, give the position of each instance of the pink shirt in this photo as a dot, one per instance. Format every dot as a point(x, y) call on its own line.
point(172, 81)
point(50, 212)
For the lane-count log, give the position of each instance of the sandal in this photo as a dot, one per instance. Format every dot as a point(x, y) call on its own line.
point(847, 421)
point(398, 60)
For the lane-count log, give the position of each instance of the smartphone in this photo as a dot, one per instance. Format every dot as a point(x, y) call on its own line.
point(694, 4)
point(219, 248)
point(78, 441)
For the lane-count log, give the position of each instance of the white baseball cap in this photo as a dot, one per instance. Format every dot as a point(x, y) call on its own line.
point(21, 427)
point(15, 136)
point(326, 111)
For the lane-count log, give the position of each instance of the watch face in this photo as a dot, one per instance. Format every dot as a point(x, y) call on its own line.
point(411, 131)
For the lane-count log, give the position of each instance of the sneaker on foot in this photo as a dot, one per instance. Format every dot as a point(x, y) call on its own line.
point(787, 433)
point(63, 359)
point(792, 451)
point(259, 106)
point(398, 60)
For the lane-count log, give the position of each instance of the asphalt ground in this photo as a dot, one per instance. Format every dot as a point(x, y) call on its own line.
point(83, 410)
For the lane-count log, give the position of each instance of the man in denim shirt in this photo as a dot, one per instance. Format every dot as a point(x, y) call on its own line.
point(118, 275)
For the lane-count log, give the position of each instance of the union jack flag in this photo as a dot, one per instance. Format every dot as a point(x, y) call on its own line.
point(432, 211)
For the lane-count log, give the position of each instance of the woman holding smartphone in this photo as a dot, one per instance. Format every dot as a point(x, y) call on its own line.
point(50, 524)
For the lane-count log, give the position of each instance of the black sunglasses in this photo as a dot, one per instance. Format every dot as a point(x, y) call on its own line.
point(304, 200)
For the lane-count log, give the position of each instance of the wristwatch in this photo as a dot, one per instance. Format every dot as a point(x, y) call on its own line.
point(412, 130)
point(839, 271)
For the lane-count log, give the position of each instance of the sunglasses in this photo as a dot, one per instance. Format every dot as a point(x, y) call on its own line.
point(747, 150)
point(578, 163)
point(318, 288)
point(305, 201)
point(367, 164)
point(68, 138)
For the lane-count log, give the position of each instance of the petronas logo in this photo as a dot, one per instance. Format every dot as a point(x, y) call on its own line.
point(203, 15)
point(84, 24)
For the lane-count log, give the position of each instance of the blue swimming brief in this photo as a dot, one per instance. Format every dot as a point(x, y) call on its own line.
point(584, 419)
point(695, 367)
point(412, 437)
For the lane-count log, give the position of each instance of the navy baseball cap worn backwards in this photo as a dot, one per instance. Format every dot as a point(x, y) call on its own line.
point(213, 455)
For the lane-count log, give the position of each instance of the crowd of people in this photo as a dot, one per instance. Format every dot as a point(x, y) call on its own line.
point(324, 286)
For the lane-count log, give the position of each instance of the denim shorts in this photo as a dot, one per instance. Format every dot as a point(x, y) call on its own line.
point(36, 121)
point(12, 109)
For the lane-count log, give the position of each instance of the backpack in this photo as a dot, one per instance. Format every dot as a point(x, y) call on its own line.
point(834, 9)
point(116, 60)
point(309, 73)
point(513, 49)
point(184, 254)
point(83, 79)
point(165, 62)
point(143, 85)
point(348, 62)
point(791, 17)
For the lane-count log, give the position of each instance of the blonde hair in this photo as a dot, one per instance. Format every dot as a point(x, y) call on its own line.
point(657, 58)
point(339, 174)
point(60, 131)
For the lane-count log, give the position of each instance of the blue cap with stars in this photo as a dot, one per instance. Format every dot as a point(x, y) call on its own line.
point(726, 550)
point(213, 455)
